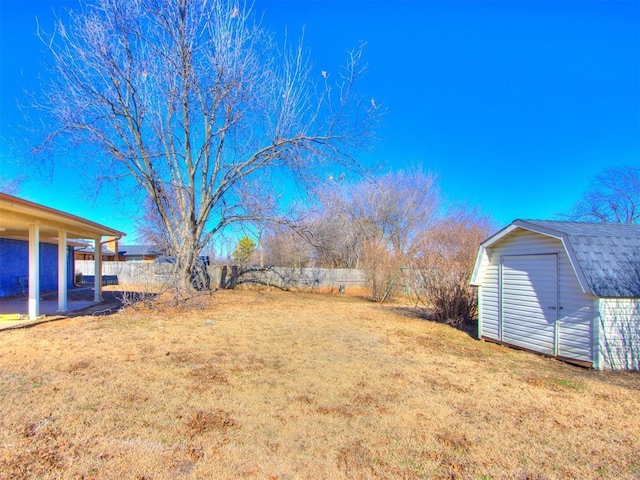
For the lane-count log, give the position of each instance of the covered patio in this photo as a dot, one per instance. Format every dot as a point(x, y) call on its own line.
point(14, 311)
point(37, 224)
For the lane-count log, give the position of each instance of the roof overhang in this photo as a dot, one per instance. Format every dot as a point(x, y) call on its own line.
point(482, 258)
point(17, 214)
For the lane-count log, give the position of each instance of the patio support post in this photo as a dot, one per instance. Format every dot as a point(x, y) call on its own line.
point(97, 256)
point(34, 271)
point(62, 271)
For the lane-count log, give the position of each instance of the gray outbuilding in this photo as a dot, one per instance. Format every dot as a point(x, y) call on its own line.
point(564, 289)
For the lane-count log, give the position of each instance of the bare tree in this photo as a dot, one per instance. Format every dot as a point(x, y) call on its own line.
point(389, 210)
point(195, 102)
point(393, 210)
point(150, 228)
point(399, 205)
point(10, 187)
point(614, 196)
point(372, 224)
point(335, 237)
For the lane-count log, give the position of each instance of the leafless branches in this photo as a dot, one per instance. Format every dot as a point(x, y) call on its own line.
point(614, 196)
point(196, 103)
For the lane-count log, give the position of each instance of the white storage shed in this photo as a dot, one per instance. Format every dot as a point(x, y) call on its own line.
point(564, 289)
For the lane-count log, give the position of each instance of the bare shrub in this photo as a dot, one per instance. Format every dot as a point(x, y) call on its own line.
point(446, 259)
point(160, 285)
point(380, 267)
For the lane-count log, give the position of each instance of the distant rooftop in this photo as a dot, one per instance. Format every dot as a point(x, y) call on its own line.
point(90, 249)
point(130, 250)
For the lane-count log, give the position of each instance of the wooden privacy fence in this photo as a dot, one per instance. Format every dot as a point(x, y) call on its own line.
point(158, 274)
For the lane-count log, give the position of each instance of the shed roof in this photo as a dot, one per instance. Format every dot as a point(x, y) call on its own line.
point(604, 256)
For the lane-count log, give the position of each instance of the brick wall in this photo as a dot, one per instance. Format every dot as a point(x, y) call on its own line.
point(14, 265)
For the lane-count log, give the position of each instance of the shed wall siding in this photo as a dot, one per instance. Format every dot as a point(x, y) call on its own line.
point(489, 297)
point(620, 333)
point(576, 307)
point(529, 301)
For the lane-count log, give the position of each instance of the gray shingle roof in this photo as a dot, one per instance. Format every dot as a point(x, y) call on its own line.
point(127, 250)
point(608, 254)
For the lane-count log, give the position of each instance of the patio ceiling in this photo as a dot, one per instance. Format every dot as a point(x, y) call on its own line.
point(17, 214)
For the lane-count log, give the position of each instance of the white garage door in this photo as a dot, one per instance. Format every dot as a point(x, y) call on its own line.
point(530, 301)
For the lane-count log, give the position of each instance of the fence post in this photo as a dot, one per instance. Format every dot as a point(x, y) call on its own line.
point(223, 277)
point(234, 276)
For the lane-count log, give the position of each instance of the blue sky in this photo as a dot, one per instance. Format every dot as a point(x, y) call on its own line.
point(515, 104)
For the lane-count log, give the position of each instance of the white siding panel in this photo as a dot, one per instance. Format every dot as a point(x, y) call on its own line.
point(620, 333)
point(575, 316)
point(576, 308)
point(529, 301)
point(489, 316)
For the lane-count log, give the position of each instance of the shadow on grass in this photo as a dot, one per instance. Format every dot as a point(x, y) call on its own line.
point(112, 301)
point(564, 374)
point(422, 313)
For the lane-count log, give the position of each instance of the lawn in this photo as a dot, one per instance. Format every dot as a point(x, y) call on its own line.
point(275, 385)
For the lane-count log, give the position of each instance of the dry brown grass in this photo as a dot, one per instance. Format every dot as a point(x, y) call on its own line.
point(288, 386)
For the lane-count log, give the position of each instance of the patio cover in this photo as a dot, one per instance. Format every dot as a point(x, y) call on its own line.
point(21, 219)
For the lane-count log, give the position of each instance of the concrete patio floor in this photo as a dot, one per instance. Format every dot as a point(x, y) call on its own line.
point(14, 311)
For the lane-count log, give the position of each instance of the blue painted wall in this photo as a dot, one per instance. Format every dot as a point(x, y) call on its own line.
point(14, 263)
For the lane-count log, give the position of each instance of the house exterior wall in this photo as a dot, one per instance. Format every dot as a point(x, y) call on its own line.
point(619, 325)
point(576, 312)
point(14, 267)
